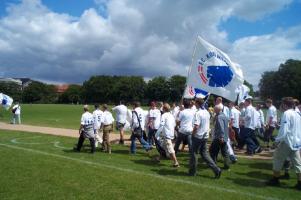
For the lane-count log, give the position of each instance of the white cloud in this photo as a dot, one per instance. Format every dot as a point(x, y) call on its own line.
point(148, 38)
point(257, 54)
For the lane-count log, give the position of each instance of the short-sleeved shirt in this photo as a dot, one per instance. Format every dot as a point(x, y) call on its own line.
point(167, 125)
point(107, 118)
point(186, 121)
point(250, 117)
point(98, 118)
point(272, 113)
point(202, 119)
point(234, 116)
point(141, 117)
point(155, 117)
point(18, 109)
point(121, 113)
point(87, 121)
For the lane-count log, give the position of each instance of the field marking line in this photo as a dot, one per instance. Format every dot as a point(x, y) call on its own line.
point(15, 140)
point(57, 145)
point(139, 173)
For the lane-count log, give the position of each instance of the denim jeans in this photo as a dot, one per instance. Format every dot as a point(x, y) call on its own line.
point(248, 135)
point(183, 137)
point(199, 146)
point(144, 144)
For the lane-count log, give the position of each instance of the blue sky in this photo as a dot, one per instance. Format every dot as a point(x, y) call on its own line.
point(287, 17)
point(146, 38)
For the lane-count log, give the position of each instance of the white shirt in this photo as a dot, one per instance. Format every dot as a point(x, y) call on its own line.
point(175, 111)
point(107, 118)
point(18, 109)
point(186, 121)
point(87, 121)
point(202, 119)
point(141, 117)
point(154, 118)
point(167, 126)
point(121, 113)
point(98, 118)
point(261, 117)
point(290, 129)
point(226, 111)
point(250, 117)
point(234, 116)
point(257, 119)
point(194, 108)
point(271, 113)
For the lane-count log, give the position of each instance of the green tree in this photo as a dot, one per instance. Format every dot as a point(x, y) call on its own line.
point(11, 89)
point(250, 86)
point(72, 95)
point(286, 81)
point(158, 89)
point(37, 92)
point(177, 86)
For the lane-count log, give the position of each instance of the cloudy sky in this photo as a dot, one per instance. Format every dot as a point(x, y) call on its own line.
point(67, 41)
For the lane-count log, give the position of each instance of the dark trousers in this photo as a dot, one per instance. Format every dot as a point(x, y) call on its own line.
point(237, 136)
point(199, 146)
point(250, 140)
point(181, 138)
point(151, 136)
point(216, 146)
point(81, 140)
point(268, 134)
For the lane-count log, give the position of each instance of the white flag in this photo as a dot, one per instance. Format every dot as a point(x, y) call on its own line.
point(213, 71)
point(191, 92)
point(6, 101)
point(243, 93)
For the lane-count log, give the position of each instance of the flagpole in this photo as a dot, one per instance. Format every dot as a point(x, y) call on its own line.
point(189, 70)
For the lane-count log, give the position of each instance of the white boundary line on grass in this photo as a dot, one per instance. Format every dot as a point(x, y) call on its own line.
point(140, 173)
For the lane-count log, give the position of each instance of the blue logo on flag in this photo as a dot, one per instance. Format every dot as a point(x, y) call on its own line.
point(219, 76)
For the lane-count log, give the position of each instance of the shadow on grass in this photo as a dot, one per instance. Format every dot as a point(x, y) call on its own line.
point(258, 165)
point(170, 172)
point(148, 162)
point(255, 174)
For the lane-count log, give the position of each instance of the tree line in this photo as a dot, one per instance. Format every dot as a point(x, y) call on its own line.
point(286, 81)
point(101, 89)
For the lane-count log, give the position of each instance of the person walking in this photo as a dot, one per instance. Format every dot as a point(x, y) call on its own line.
point(121, 115)
point(107, 128)
point(16, 111)
point(185, 122)
point(138, 127)
point(98, 120)
point(221, 136)
point(166, 132)
point(288, 143)
point(86, 130)
point(200, 135)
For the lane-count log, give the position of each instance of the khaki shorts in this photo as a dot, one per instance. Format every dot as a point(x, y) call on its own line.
point(167, 144)
point(283, 152)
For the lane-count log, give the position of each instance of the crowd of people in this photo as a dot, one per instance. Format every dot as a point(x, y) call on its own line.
point(224, 126)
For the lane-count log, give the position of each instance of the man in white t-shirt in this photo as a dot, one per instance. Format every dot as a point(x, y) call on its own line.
point(200, 136)
point(250, 120)
point(185, 122)
point(121, 115)
point(16, 110)
point(289, 142)
point(166, 133)
point(260, 122)
point(138, 127)
point(271, 121)
point(154, 119)
point(98, 120)
point(86, 130)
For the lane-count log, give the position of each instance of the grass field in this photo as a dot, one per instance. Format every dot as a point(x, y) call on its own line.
point(36, 166)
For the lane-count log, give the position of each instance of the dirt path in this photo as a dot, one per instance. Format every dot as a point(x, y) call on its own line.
point(265, 155)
